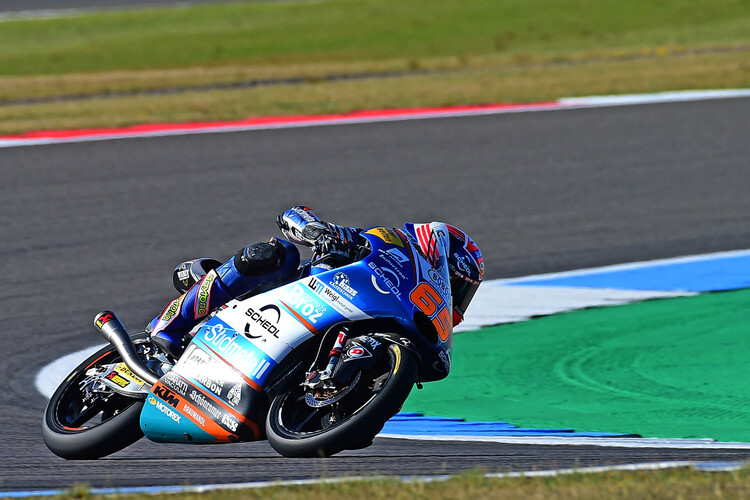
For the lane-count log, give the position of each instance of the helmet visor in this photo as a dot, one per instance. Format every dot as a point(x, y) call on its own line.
point(462, 291)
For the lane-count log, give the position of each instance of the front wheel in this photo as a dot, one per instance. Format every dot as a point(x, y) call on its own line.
point(84, 423)
point(297, 429)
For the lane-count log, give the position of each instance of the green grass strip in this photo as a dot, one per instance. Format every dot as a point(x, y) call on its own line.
point(665, 484)
point(673, 368)
point(478, 51)
point(355, 30)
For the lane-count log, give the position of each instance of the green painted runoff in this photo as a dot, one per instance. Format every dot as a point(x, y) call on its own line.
point(669, 368)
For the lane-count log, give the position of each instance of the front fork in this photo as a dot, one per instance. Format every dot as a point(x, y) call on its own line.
point(322, 380)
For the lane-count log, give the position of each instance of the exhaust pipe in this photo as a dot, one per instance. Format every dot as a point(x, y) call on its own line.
point(110, 327)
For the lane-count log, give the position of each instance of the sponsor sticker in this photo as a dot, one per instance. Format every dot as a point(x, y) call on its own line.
point(461, 263)
point(262, 320)
point(117, 379)
point(123, 370)
point(306, 304)
point(304, 214)
point(387, 235)
point(336, 300)
point(357, 352)
point(204, 404)
point(372, 342)
point(174, 382)
point(183, 274)
point(438, 281)
point(341, 283)
point(235, 394)
point(189, 410)
point(394, 261)
point(237, 350)
point(445, 358)
point(201, 367)
point(229, 422)
point(389, 278)
point(217, 415)
point(204, 294)
point(104, 319)
point(166, 410)
point(172, 309)
point(168, 396)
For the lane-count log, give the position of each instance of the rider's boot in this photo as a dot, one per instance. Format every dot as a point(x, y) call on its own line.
point(255, 265)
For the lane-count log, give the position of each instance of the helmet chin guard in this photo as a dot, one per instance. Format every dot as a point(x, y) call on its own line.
point(190, 272)
point(465, 262)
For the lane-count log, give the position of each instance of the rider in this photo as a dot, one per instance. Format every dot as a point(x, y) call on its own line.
point(276, 262)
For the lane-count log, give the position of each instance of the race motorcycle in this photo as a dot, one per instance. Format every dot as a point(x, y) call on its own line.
point(315, 366)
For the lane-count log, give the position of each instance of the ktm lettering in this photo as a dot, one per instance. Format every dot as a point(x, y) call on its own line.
point(167, 395)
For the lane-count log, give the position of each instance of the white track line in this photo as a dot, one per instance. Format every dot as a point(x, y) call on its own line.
point(658, 97)
point(627, 267)
point(718, 466)
point(312, 121)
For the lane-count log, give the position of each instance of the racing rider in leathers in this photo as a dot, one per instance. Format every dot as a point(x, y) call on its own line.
point(263, 266)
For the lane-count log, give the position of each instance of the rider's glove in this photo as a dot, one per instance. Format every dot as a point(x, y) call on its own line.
point(332, 249)
point(300, 225)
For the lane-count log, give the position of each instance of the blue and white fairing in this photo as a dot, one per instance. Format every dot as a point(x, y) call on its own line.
point(216, 391)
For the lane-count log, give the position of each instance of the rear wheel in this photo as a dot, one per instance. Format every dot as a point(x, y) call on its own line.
point(297, 428)
point(83, 421)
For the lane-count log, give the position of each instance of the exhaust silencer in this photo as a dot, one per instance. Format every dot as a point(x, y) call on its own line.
point(110, 327)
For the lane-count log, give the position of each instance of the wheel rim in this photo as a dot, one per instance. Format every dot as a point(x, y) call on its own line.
point(296, 418)
point(79, 409)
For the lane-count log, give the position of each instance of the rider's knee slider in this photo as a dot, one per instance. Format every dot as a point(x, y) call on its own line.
point(259, 264)
point(260, 258)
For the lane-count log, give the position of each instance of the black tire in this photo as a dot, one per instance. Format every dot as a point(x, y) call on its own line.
point(103, 429)
point(295, 430)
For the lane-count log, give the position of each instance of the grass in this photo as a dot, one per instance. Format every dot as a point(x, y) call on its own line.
point(479, 51)
point(665, 484)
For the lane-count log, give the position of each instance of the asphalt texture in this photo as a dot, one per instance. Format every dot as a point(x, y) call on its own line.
point(100, 225)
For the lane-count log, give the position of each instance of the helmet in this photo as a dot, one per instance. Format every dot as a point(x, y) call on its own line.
point(466, 267)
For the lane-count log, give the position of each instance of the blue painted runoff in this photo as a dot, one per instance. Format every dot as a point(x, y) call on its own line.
point(705, 275)
point(416, 424)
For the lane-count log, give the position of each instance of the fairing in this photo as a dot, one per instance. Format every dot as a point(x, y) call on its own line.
point(217, 390)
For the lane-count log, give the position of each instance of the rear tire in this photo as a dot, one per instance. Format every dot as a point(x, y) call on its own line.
point(294, 429)
point(76, 430)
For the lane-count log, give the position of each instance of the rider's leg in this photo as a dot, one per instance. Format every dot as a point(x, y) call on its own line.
point(255, 265)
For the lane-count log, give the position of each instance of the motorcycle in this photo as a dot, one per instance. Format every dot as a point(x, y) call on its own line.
point(316, 366)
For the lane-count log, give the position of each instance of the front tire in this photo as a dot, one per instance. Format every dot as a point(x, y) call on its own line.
point(294, 429)
point(75, 427)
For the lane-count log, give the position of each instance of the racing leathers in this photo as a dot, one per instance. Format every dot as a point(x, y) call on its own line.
point(262, 266)
point(259, 265)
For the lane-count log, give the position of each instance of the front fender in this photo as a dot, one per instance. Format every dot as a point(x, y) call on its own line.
point(363, 352)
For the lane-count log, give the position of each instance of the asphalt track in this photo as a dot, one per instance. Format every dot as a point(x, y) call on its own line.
point(89, 226)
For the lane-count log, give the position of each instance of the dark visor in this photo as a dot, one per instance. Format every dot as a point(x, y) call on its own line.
point(462, 291)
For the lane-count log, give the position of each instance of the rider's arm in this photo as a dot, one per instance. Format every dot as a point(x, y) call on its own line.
point(302, 226)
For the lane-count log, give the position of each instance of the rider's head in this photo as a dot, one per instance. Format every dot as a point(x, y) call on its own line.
point(467, 269)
